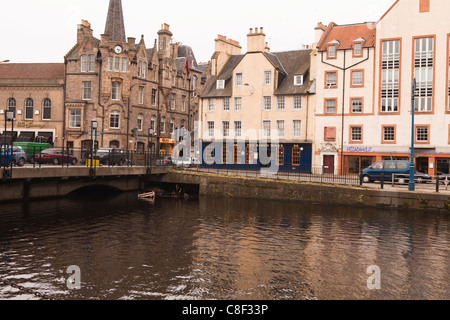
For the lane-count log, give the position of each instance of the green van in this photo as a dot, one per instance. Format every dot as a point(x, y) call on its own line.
point(31, 148)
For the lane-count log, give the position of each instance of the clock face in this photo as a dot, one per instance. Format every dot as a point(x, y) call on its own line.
point(118, 49)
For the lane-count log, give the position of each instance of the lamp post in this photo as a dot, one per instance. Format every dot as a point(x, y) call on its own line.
point(151, 132)
point(9, 116)
point(412, 184)
point(94, 127)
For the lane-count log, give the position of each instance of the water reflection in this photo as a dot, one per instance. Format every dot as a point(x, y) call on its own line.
point(220, 249)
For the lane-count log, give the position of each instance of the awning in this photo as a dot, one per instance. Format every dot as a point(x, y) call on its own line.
point(26, 137)
point(45, 137)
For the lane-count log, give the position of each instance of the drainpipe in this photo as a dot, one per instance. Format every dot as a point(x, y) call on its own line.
point(100, 61)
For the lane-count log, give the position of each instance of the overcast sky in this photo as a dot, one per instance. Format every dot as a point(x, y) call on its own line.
point(45, 30)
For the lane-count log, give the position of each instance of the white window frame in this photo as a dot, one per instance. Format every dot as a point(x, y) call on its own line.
point(226, 129)
point(266, 132)
point(210, 127)
point(281, 134)
point(141, 94)
point(226, 107)
point(84, 63)
point(110, 63)
point(75, 118)
point(265, 105)
point(267, 77)
point(298, 80)
point(140, 122)
point(238, 107)
point(360, 80)
point(238, 79)
point(115, 90)
point(211, 105)
point(46, 106)
point(220, 85)
point(281, 103)
point(91, 63)
point(86, 91)
point(237, 129)
point(353, 133)
point(294, 105)
point(294, 135)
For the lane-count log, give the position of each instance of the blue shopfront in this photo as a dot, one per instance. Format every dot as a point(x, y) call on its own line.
point(254, 156)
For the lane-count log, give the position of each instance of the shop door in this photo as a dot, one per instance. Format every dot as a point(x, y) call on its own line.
point(328, 164)
point(422, 165)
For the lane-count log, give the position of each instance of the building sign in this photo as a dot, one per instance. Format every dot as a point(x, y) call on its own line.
point(165, 140)
point(359, 149)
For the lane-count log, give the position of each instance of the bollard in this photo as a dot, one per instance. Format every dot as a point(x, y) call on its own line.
point(360, 179)
point(437, 183)
point(382, 181)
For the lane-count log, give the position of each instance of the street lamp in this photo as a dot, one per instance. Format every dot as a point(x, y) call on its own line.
point(9, 116)
point(94, 127)
point(412, 184)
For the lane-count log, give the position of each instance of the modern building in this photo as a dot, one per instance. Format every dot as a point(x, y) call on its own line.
point(35, 92)
point(368, 71)
point(124, 85)
point(257, 106)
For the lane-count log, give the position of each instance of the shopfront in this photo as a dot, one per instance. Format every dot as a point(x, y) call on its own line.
point(166, 146)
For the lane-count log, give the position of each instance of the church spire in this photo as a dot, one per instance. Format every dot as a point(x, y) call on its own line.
point(115, 27)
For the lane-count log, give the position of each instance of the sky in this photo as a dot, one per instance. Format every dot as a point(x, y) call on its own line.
point(45, 30)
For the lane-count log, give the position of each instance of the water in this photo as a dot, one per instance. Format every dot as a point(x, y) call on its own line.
point(219, 249)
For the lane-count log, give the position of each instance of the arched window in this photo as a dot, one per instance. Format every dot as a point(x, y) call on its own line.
point(140, 122)
point(172, 125)
point(29, 109)
point(114, 120)
point(47, 109)
point(163, 124)
point(153, 123)
point(12, 105)
point(114, 144)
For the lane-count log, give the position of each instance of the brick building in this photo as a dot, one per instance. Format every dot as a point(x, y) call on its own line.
point(123, 84)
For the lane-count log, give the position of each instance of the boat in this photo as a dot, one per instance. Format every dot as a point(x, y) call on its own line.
point(148, 195)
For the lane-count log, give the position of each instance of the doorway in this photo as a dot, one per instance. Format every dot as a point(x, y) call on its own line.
point(328, 164)
point(422, 165)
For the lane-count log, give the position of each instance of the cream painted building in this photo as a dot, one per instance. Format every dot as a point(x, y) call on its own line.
point(255, 100)
point(411, 40)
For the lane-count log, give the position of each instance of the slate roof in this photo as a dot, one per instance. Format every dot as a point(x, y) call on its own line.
point(347, 34)
point(115, 26)
point(289, 63)
point(31, 70)
point(186, 51)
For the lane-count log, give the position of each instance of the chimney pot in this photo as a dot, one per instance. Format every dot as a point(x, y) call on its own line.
point(262, 29)
point(256, 30)
point(251, 30)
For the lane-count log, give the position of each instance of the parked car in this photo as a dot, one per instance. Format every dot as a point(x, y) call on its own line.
point(444, 178)
point(20, 155)
point(165, 161)
point(110, 156)
point(55, 156)
point(399, 170)
point(6, 157)
point(184, 162)
point(421, 177)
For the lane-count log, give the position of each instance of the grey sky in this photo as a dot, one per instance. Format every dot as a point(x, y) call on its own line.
point(45, 30)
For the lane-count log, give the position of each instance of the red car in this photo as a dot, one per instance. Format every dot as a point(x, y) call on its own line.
point(54, 156)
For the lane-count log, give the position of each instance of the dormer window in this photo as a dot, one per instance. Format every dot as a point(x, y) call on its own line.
point(332, 48)
point(220, 84)
point(358, 45)
point(298, 80)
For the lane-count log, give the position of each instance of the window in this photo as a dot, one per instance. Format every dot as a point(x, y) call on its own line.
point(298, 80)
point(154, 92)
point(238, 129)
point(74, 118)
point(267, 77)
point(388, 133)
point(172, 101)
point(225, 128)
point(390, 76)
point(331, 79)
point(29, 109)
point(357, 105)
point(422, 134)
point(356, 134)
point(163, 124)
point(173, 80)
point(237, 104)
point(331, 51)
point(297, 128)
point(211, 105)
point(11, 106)
point(183, 123)
point(172, 125)
point(280, 128)
point(239, 80)
point(83, 63)
point(330, 106)
point(47, 109)
point(296, 153)
point(357, 78)
point(140, 122)
point(266, 129)
point(141, 95)
point(117, 64)
point(357, 49)
point(210, 155)
point(114, 122)
point(91, 67)
point(87, 89)
point(226, 104)
point(280, 154)
point(124, 64)
point(297, 100)
point(144, 69)
point(423, 72)
point(194, 85)
point(220, 84)
point(210, 126)
point(183, 103)
point(330, 134)
point(267, 103)
point(224, 155)
point(139, 68)
point(153, 123)
point(281, 103)
point(115, 94)
point(110, 63)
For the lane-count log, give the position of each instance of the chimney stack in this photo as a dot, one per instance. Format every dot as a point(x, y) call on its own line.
point(256, 42)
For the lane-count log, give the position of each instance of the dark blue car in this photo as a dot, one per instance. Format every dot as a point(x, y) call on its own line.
point(6, 157)
point(398, 169)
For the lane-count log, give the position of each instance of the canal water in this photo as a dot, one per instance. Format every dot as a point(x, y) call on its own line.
point(223, 249)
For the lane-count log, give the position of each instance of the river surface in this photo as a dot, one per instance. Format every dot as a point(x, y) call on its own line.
point(223, 249)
